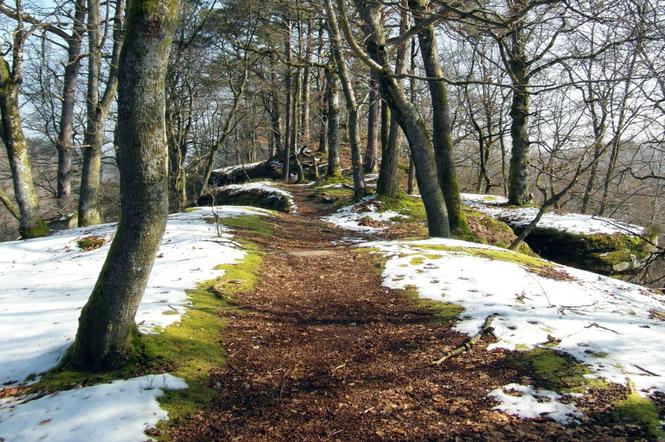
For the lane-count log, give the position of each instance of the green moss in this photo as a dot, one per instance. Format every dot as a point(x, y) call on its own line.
point(191, 348)
point(91, 242)
point(257, 224)
point(417, 260)
point(639, 411)
point(596, 252)
point(499, 255)
point(442, 312)
point(409, 206)
point(36, 230)
point(330, 180)
point(556, 371)
point(188, 349)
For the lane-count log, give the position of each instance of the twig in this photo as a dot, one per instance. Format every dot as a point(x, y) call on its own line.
point(470, 342)
point(650, 373)
point(595, 324)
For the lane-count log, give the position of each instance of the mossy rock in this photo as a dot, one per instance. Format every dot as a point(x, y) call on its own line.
point(607, 254)
point(251, 196)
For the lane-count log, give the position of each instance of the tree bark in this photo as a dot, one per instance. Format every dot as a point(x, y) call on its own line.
point(332, 93)
point(30, 223)
point(408, 117)
point(373, 116)
point(103, 340)
point(442, 132)
point(97, 110)
point(387, 184)
point(350, 99)
point(66, 128)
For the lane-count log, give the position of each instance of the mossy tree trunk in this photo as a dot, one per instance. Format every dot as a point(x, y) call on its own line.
point(407, 116)
point(103, 340)
point(30, 222)
point(350, 99)
point(373, 115)
point(387, 183)
point(515, 60)
point(98, 108)
point(332, 93)
point(442, 132)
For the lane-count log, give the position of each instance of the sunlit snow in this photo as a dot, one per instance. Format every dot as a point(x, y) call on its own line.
point(351, 217)
point(575, 223)
point(118, 411)
point(603, 322)
point(46, 281)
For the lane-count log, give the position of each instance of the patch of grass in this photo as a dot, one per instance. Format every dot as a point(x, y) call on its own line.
point(92, 242)
point(417, 260)
point(640, 411)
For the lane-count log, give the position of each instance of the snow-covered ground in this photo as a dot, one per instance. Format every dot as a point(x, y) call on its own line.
point(575, 223)
point(46, 281)
point(44, 284)
point(603, 322)
point(352, 217)
point(118, 411)
point(265, 186)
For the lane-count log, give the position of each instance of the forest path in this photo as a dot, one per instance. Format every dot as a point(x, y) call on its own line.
point(323, 352)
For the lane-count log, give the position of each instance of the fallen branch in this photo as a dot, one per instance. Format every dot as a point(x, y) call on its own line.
point(470, 342)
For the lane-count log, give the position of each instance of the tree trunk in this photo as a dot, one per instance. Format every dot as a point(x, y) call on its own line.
point(334, 167)
point(518, 184)
point(66, 128)
point(373, 114)
point(287, 108)
point(442, 132)
point(409, 119)
point(103, 340)
point(97, 110)
point(387, 185)
point(306, 89)
point(30, 223)
point(350, 99)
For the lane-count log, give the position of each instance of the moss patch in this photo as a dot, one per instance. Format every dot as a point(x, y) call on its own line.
point(90, 242)
point(530, 262)
point(409, 206)
point(257, 224)
point(639, 411)
point(191, 348)
point(556, 371)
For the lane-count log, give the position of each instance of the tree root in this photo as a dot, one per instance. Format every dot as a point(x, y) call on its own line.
point(468, 343)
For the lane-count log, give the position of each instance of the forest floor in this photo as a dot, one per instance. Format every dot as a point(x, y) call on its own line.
point(321, 351)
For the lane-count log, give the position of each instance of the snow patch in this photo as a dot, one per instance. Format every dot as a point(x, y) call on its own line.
point(352, 217)
point(574, 223)
point(529, 403)
point(46, 281)
point(118, 411)
point(603, 322)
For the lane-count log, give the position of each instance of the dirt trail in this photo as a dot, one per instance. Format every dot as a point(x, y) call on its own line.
point(323, 352)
